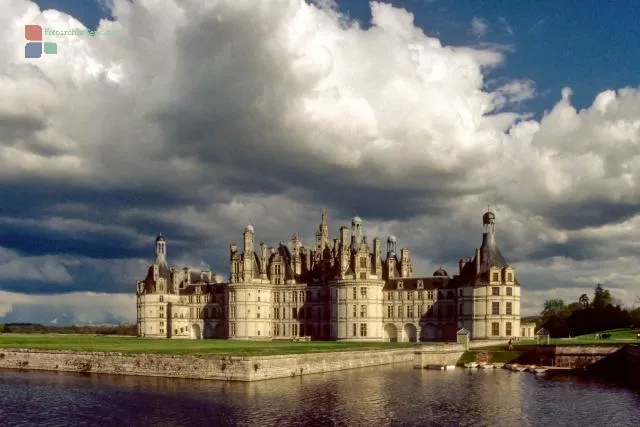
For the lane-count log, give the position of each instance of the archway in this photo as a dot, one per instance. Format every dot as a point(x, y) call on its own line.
point(195, 332)
point(429, 332)
point(450, 331)
point(390, 332)
point(208, 331)
point(410, 332)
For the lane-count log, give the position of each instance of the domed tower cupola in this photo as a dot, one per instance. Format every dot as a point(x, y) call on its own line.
point(441, 272)
point(161, 249)
point(356, 233)
point(391, 244)
point(489, 221)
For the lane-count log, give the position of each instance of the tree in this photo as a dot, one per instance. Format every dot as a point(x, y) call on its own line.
point(553, 306)
point(602, 297)
point(584, 300)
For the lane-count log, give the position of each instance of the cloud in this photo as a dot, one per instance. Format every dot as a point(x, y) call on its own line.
point(68, 308)
point(234, 114)
point(479, 27)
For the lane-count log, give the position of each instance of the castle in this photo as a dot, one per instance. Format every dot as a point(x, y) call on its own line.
point(339, 289)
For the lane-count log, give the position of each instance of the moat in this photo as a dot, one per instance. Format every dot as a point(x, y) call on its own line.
point(384, 395)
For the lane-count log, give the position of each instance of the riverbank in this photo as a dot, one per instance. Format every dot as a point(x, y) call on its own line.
point(229, 368)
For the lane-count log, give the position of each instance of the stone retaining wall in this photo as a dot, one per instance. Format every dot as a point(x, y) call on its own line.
point(573, 356)
point(200, 367)
point(439, 354)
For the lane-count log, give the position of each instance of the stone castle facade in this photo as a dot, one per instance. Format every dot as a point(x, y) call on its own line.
point(339, 289)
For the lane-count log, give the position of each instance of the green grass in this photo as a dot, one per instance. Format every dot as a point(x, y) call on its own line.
point(121, 344)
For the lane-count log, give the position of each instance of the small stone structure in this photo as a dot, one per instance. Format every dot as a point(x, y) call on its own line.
point(228, 368)
point(543, 337)
point(463, 338)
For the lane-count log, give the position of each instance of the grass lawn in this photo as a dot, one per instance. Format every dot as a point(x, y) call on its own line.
point(83, 342)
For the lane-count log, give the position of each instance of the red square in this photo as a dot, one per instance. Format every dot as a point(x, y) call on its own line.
point(33, 33)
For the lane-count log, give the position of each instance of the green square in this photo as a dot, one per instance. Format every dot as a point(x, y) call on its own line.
point(50, 48)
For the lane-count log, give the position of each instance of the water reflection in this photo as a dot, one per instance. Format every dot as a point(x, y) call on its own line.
point(392, 395)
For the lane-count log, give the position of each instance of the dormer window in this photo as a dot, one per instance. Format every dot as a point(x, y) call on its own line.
point(420, 284)
point(509, 277)
point(495, 277)
point(400, 284)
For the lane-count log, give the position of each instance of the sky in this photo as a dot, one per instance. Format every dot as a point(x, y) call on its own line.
point(196, 118)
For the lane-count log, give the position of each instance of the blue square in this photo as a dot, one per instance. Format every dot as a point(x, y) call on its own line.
point(33, 50)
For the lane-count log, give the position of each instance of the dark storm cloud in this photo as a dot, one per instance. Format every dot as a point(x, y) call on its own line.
point(591, 213)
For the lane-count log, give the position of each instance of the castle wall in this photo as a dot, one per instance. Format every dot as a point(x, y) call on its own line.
point(200, 367)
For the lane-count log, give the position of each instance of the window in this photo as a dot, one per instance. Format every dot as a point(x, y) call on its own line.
point(510, 277)
point(509, 291)
point(508, 329)
point(277, 270)
point(301, 296)
point(420, 295)
point(363, 293)
point(294, 312)
point(161, 298)
point(523, 332)
point(276, 312)
point(162, 331)
point(355, 293)
point(175, 332)
point(430, 295)
point(284, 329)
point(232, 296)
point(355, 309)
point(355, 329)
point(294, 330)
point(495, 291)
point(460, 309)
point(420, 284)
point(233, 329)
point(400, 284)
point(495, 308)
point(420, 309)
point(363, 311)
point(496, 277)
point(389, 311)
point(363, 275)
point(509, 309)
point(363, 262)
point(257, 315)
point(190, 299)
point(363, 329)
point(409, 311)
point(198, 299)
point(295, 297)
point(495, 329)
point(389, 296)
point(233, 313)
point(399, 311)
point(276, 297)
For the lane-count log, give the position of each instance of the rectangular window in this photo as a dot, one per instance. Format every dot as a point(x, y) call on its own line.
point(355, 329)
point(420, 295)
point(284, 329)
point(294, 330)
point(363, 329)
point(523, 332)
point(508, 329)
point(294, 312)
point(509, 291)
point(409, 311)
point(258, 315)
point(233, 312)
point(355, 293)
point(496, 277)
point(430, 295)
point(389, 296)
point(363, 262)
point(276, 329)
point(295, 297)
point(233, 329)
point(389, 311)
point(495, 308)
point(301, 296)
point(190, 299)
point(354, 312)
point(495, 329)
point(399, 311)
point(363, 311)
point(420, 309)
point(510, 277)
point(363, 293)
point(495, 291)
point(509, 309)
point(460, 309)
point(161, 298)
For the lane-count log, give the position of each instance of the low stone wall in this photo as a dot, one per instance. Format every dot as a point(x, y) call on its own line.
point(200, 367)
point(633, 362)
point(487, 343)
point(438, 354)
point(573, 356)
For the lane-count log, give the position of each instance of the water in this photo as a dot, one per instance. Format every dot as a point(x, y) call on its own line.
point(391, 395)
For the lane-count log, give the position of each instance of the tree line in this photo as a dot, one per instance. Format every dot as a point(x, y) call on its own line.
point(29, 328)
point(587, 315)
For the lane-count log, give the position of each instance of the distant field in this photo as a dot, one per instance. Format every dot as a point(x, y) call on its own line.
point(122, 344)
point(618, 336)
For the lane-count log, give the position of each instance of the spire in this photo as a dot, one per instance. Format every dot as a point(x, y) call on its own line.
point(490, 255)
point(161, 249)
